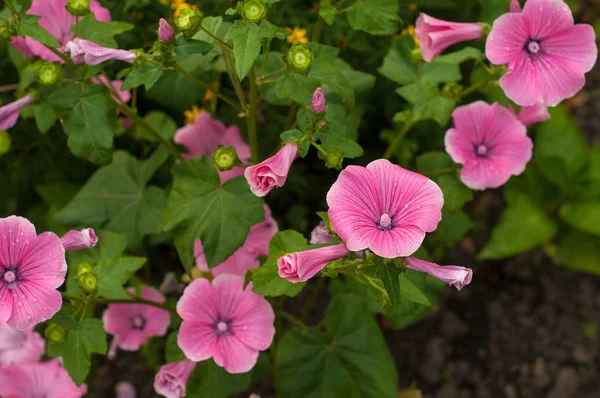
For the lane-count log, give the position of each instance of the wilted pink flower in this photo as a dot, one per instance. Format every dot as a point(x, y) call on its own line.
point(93, 54)
point(32, 267)
point(75, 240)
point(320, 235)
point(57, 21)
point(124, 95)
point(435, 35)
point(384, 208)
point(9, 113)
point(171, 379)
point(19, 346)
point(204, 136)
point(35, 380)
point(547, 55)
point(533, 114)
point(133, 324)
point(301, 266)
point(165, 31)
point(318, 101)
point(125, 389)
point(490, 142)
point(454, 275)
point(271, 172)
point(224, 321)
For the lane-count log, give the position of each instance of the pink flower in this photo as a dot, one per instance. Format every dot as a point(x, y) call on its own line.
point(515, 6)
point(318, 101)
point(490, 142)
point(75, 240)
point(272, 172)
point(224, 321)
point(93, 54)
point(19, 346)
point(204, 136)
point(9, 113)
point(301, 266)
point(32, 267)
point(384, 208)
point(454, 275)
point(165, 31)
point(172, 378)
point(533, 114)
point(320, 235)
point(547, 55)
point(35, 380)
point(125, 389)
point(124, 95)
point(57, 21)
point(133, 324)
point(436, 35)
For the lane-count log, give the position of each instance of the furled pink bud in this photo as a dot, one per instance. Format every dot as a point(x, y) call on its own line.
point(75, 240)
point(454, 275)
point(165, 31)
point(436, 35)
point(125, 389)
point(318, 101)
point(93, 54)
point(515, 6)
point(172, 378)
point(272, 172)
point(301, 266)
point(320, 235)
point(9, 113)
point(533, 114)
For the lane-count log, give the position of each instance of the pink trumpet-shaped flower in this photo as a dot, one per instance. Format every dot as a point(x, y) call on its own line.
point(454, 275)
point(9, 113)
point(125, 389)
point(318, 101)
point(271, 172)
point(75, 240)
point(384, 208)
point(35, 380)
point(547, 55)
point(533, 114)
point(320, 235)
point(224, 321)
point(301, 266)
point(490, 142)
point(57, 21)
point(32, 267)
point(435, 35)
point(515, 6)
point(19, 346)
point(171, 379)
point(165, 31)
point(93, 54)
point(204, 136)
point(133, 324)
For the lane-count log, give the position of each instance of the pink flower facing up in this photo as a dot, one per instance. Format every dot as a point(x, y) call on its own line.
point(204, 136)
point(32, 267)
point(9, 113)
point(19, 346)
point(35, 380)
point(384, 208)
point(301, 266)
point(272, 172)
point(165, 31)
point(320, 235)
point(75, 240)
point(454, 275)
point(125, 389)
point(57, 21)
point(490, 142)
point(85, 51)
point(172, 378)
point(133, 324)
point(435, 35)
point(224, 321)
point(533, 114)
point(547, 55)
point(318, 101)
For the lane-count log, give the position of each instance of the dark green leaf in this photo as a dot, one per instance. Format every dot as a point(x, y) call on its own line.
point(327, 12)
point(45, 117)
point(397, 65)
point(172, 351)
point(147, 74)
point(377, 17)
point(101, 33)
point(296, 87)
point(579, 251)
point(389, 273)
point(186, 47)
point(430, 161)
point(210, 380)
point(584, 216)
point(247, 40)
point(65, 320)
point(296, 136)
point(409, 290)
point(161, 123)
point(460, 56)
point(31, 27)
point(456, 195)
point(114, 273)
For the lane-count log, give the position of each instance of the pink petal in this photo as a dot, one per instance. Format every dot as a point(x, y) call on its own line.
point(75, 240)
point(545, 17)
point(132, 340)
point(15, 235)
point(234, 356)
point(506, 40)
point(454, 275)
point(202, 137)
point(125, 389)
point(19, 346)
point(397, 242)
point(533, 114)
point(229, 292)
point(231, 137)
point(43, 262)
point(272, 172)
point(198, 341)
point(102, 14)
point(515, 6)
point(436, 35)
point(44, 379)
point(575, 48)
point(199, 302)
point(260, 235)
point(484, 174)
point(6, 303)
point(255, 328)
point(33, 304)
point(157, 321)
point(301, 266)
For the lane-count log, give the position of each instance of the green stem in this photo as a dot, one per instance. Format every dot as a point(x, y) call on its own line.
point(237, 85)
point(61, 56)
point(312, 299)
point(291, 116)
point(291, 318)
point(224, 45)
point(473, 88)
point(12, 9)
point(318, 29)
point(277, 72)
point(251, 118)
point(96, 300)
point(394, 144)
point(266, 59)
point(76, 26)
point(207, 86)
point(319, 148)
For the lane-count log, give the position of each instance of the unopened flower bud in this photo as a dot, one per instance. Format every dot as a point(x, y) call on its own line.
point(318, 101)
point(78, 7)
point(334, 160)
point(452, 90)
point(165, 31)
point(50, 73)
point(299, 58)
point(84, 268)
point(5, 142)
point(415, 55)
point(189, 20)
point(254, 10)
point(87, 282)
point(55, 333)
point(226, 158)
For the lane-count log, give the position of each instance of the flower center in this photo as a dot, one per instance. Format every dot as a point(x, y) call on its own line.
point(10, 276)
point(533, 46)
point(222, 327)
point(138, 322)
point(482, 150)
point(385, 222)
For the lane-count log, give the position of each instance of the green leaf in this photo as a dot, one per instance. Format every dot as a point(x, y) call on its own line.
point(30, 27)
point(456, 195)
point(247, 40)
point(185, 47)
point(579, 251)
point(146, 74)
point(377, 17)
point(438, 108)
point(436, 72)
point(327, 11)
point(389, 273)
point(101, 33)
point(410, 291)
point(65, 320)
point(210, 380)
point(492, 9)
point(172, 351)
point(522, 227)
point(114, 273)
point(584, 216)
point(397, 65)
point(296, 136)
point(176, 91)
point(460, 56)
point(160, 122)
point(198, 207)
point(454, 225)
point(349, 359)
point(430, 161)
point(297, 87)
point(212, 24)
point(45, 116)
point(266, 279)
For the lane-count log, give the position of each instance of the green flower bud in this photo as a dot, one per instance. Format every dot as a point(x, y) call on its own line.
point(6, 32)
point(299, 58)
point(416, 56)
point(5, 142)
point(452, 90)
point(334, 160)
point(78, 8)
point(84, 268)
point(226, 158)
point(189, 20)
point(254, 10)
point(87, 282)
point(50, 73)
point(55, 333)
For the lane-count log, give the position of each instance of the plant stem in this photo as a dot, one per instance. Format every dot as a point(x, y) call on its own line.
point(251, 118)
point(237, 85)
point(291, 116)
point(96, 300)
point(311, 300)
point(318, 29)
point(319, 148)
point(393, 146)
point(473, 88)
point(9, 87)
point(224, 45)
point(266, 59)
point(278, 71)
point(12, 9)
point(61, 56)
point(207, 86)
point(76, 26)
point(291, 318)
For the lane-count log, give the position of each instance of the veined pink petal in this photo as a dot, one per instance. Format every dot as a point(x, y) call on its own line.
point(197, 340)
point(9, 113)
point(43, 262)
point(301, 266)
point(172, 378)
point(76, 240)
point(545, 17)
point(272, 172)
point(43, 379)
point(15, 235)
point(19, 346)
point(454, 275)
point(202, 137)
point(93, 54)
point(165, 31)
point(318, 101)
point(199, 302)
point(234, 356)
point(533, 114)
point(435, 35)
point(506, 39)
point(397, 242)
point(33, 303)
point(6, 304)
point(254, 325)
